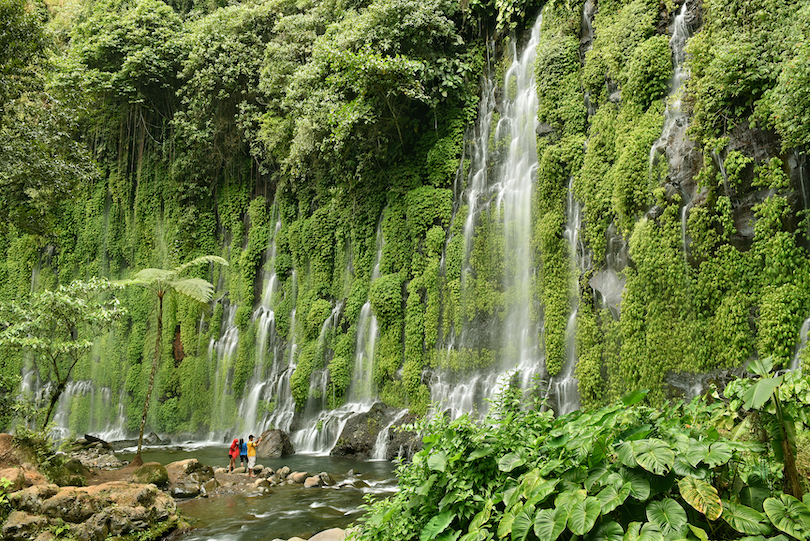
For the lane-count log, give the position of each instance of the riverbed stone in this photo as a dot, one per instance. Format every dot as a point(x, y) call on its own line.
point(298, 477)
point(23, 526)
point(334, 534)
point(275, 444)
point(187, 477)
point(16, 476)
point(152, 473)
point(30, 499)
point(326, 479)
point(283, 472)
point(312, 482)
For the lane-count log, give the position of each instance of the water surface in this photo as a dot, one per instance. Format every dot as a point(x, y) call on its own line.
point(287, 511)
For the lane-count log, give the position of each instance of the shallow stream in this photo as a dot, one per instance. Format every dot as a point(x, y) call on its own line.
point(287, 511)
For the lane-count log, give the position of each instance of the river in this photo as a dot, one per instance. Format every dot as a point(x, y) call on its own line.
point(287, 511)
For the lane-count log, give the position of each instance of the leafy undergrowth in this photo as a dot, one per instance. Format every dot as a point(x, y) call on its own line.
point(626, 472)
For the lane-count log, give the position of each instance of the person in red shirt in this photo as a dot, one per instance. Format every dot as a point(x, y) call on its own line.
point(233, 452)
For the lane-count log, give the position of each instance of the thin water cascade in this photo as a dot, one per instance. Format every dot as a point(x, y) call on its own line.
point(380, 450)
point(673, 142)
point(796, 363)
point(565, 386)
point(507, 195)
point(609, 282)
point(220, 355)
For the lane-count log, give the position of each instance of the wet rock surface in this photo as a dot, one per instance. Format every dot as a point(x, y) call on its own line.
point(274, 444)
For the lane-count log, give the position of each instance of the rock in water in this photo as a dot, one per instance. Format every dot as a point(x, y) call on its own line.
point(274, 444)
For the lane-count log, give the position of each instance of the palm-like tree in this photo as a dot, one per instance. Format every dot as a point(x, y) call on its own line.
point(161, 281)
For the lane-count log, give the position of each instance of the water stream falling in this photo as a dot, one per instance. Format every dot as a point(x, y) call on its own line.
point(796, 363)
point(507, 196)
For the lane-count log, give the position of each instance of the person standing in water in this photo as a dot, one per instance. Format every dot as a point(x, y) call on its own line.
point(233, 452)
point(251, 452)
point(243, 456)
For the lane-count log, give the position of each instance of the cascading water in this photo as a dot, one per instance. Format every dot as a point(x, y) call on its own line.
point(673, 143)
point(796, 363)
point(220, 354)
point(380, 450)
point(565, 387)
point(508, 197)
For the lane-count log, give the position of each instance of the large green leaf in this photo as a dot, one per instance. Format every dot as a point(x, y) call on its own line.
point(541, 491)
point(566, 500)
point(789, 515)
point(549, 523)
point(654, 455)
point(639, 486)
point(744, 519)
point(635, 397)
point(759, 393)
point(761, 367)
point(436, 525)
point(719, 453)
point(698, 450)
point(509, 462)
point(597, 475)
point(606, 531)
point(480, 453)
point(625, 453)
point(523, 523)
point(702, 496)
point(482, 517)
point(648, 531)
point(583, 515)
point(437, 461)
point(505, 526)
point(205, 259)
point(610, 498)
point(682, 468)
point(668, 515)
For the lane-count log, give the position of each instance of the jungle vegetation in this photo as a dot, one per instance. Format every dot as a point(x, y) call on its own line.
point(144, 134)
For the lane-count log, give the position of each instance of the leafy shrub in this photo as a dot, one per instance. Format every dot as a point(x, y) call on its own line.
point(625, 471)
point(649, 71)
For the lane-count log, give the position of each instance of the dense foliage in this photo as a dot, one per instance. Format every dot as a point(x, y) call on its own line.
point(622, 472)
point(324, 147)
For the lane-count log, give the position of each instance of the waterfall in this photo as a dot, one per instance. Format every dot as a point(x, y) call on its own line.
point(503, 185)
point(565, 388)
point(220, 354)
point(796, 363)
point(673, 142)
point(380, 450)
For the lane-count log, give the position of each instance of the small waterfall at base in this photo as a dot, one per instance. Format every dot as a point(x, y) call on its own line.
point(380, 450)
point(507, 196)
point(796, 363)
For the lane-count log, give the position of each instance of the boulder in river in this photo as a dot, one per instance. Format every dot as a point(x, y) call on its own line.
point(187, 478)
point(275, 444)
point(360, 433)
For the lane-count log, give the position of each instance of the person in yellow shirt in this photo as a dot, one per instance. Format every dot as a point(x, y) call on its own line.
point(251, 450)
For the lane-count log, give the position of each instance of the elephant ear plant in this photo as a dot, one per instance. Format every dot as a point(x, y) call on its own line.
point(626, 472)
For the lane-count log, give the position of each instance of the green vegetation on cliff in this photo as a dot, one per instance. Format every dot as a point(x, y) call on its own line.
point(327, 144)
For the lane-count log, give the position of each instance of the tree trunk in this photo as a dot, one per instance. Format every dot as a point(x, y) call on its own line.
point(60, 388)
point(155, 358)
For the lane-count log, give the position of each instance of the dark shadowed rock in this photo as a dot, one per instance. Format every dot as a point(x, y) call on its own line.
point(403, 443)
point(274, 444)
point(360, 433)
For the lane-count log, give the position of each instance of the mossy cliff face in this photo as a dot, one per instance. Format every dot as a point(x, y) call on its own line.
point(325, 150)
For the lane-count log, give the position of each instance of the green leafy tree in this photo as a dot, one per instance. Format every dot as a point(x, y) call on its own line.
point(160, 282)
point(57, 328)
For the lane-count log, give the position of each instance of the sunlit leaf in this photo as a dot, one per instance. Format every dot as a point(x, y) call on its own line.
point(759, 393)
point(437, 461)
point(509, 462)
point(702, 496)
point(789, 515)
point(523, 523)
point(654, 455)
